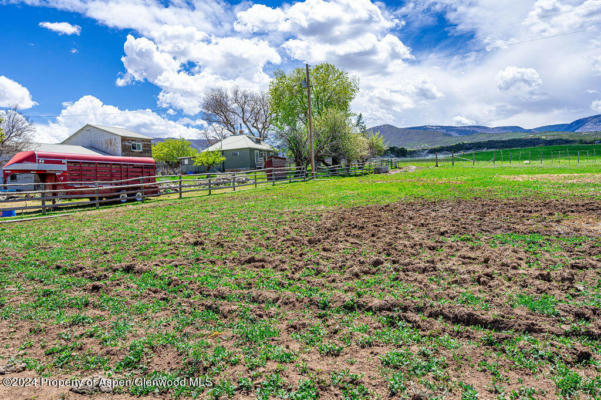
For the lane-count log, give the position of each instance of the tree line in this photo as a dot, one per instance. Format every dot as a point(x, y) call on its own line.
point(507, 144)
point(280, 116)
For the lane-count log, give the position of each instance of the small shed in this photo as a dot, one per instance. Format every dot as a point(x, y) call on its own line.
point(275, 168)
point(243, 152)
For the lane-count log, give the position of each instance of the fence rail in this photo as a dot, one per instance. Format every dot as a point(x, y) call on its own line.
point(509, 157)
point(44, 198)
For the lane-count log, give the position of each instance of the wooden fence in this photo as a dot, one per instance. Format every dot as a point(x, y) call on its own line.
point(39, 197)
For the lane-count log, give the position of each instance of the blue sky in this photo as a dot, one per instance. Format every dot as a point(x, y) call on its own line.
point(146, 65)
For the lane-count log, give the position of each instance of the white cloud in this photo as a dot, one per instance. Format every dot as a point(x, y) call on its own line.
point(460, 120)
point(62, 28)
point(217, 62)
point(148, 16)
point(89, 109)
point(552, 17)
point(596, 106)
point(143, 61)
point(352, 34)
point(14, 94)
point(187, 47)
point(520, 79)
point(597, 65)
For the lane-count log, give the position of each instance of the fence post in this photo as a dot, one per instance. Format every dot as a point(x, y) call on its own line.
point(473, 158)
point(142, 185)
point(510, 158)
point(494, 153)
point(290, 179)
point(453, 159)
point(44, 198)
point(541, 158)
point(96, 190)
point(436, 156)
point(578, 157)
point(209, 185)
point(255, 179)
point(234, 182)
point(180, 186)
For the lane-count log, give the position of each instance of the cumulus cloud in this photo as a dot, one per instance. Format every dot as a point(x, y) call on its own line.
point(13, 94)
point(552, 17)
point(521, 79)
point(494, 75)
point(62, 28)
point(596, 106)
point(353, 34)
point(89, 109)
point(212, 63)
point(460, 120)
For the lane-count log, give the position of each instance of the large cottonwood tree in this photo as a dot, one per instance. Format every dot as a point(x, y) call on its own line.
point(332, 91)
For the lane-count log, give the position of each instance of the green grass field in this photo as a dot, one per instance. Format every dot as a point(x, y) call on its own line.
point(450, 283)
point(566, 154)
point(548, 156)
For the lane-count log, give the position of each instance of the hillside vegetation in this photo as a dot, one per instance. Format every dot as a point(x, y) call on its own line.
point(422, 137)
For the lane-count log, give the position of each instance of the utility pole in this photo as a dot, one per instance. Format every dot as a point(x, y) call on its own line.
point(308, 81)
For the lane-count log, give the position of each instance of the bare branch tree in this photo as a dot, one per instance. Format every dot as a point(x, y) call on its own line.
point(240, 107)
point(217, 106)
point(17, 132)
point(215, 133)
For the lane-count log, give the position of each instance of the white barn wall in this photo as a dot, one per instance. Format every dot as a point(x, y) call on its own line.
point(96, 139)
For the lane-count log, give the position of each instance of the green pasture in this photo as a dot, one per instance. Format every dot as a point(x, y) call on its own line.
point(148, 260)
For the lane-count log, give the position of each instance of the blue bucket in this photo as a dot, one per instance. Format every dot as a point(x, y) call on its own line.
point(9, 213)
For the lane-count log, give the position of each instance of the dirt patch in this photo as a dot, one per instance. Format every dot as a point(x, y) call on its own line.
point(403, 299)
point(560, 178)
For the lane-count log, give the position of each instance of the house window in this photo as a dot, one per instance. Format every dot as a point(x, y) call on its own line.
point(235, 153)
point(185, 161)
point(136, 146)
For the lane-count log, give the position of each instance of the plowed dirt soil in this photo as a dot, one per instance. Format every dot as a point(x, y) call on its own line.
point(413, 300)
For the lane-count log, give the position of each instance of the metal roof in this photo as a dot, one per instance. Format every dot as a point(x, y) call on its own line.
point(119, 131)
point(64, 149)
point(239, 142)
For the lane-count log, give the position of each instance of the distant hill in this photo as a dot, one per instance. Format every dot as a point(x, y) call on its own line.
point(198, 144)
point(426, 136)
point(467, 130)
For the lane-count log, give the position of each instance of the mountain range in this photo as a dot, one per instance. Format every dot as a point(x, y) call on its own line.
point(425, 136)
point(198, 144)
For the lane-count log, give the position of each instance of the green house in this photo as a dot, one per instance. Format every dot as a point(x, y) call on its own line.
point(241, 152)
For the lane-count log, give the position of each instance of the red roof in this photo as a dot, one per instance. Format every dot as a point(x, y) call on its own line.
point(33, 156)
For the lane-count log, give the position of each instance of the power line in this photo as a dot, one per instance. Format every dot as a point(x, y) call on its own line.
point(510, 43)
